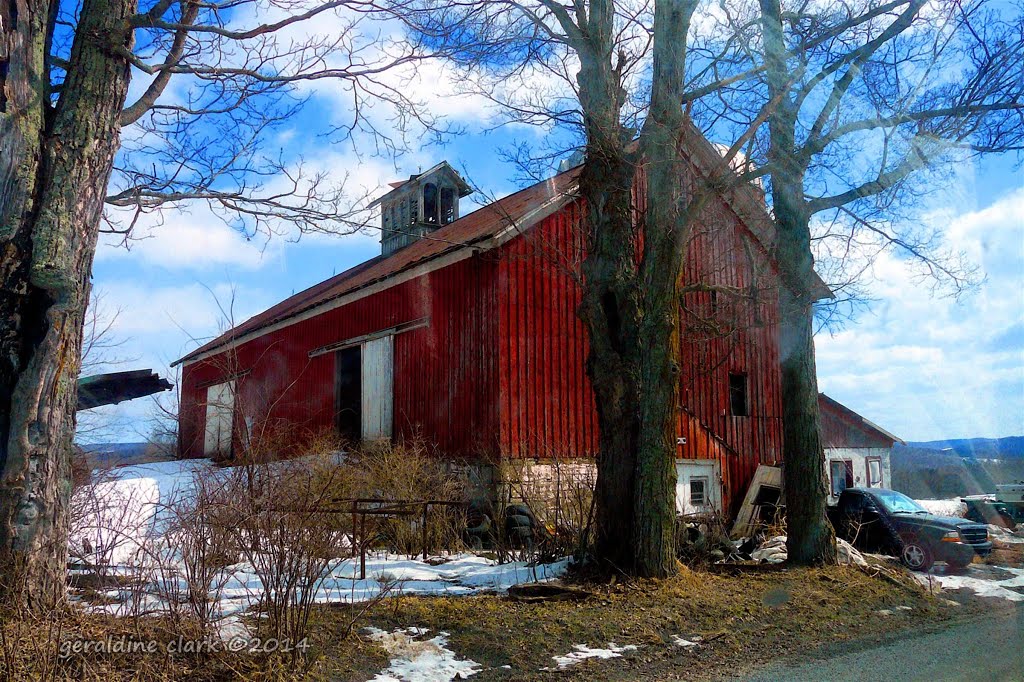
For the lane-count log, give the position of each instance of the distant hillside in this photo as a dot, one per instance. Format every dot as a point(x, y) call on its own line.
point(120, 454)
point(950, 468)
point(979, 448)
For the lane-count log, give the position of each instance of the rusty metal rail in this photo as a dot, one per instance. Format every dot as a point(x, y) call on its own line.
point(362, 507)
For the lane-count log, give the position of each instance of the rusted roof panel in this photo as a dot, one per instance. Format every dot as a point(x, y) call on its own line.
point(479, 225)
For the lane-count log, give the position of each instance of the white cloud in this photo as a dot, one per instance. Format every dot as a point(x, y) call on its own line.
point(928, 368)
point(193, 239)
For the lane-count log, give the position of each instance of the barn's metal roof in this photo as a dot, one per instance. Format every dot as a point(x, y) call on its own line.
point(866, 431)
point(479, 229)
point(516, 211)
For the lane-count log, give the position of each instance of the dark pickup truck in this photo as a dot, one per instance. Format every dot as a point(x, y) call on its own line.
point(888, 522)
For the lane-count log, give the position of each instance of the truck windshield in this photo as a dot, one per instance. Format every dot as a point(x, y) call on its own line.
point(897, 503)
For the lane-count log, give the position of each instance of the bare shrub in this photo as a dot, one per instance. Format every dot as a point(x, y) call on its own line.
point(408, 471)
point(559, 494)
point(279, 519)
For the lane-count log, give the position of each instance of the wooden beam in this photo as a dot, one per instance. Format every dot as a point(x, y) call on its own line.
point(357, 340)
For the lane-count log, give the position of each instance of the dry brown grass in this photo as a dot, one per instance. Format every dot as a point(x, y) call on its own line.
point(42, 648)
point(743, 621)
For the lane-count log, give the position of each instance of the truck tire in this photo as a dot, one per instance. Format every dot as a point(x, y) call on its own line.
point(915, 554)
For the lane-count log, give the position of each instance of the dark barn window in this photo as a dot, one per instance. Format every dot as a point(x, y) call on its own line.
point(738, 405)
point(430, 203)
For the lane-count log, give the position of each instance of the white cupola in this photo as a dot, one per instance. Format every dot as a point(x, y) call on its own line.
point(420, 205)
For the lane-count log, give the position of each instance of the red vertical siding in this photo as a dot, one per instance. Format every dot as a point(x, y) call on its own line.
point(500, 369)
point(546, 400)
point(445, 387)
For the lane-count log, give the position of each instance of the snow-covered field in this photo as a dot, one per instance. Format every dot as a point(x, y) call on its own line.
point(951, 507)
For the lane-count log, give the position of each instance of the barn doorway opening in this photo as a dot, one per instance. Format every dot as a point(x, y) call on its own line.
point(364, 390)
point(348, 393)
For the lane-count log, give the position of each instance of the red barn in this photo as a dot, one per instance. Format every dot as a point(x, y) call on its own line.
point(464, 333)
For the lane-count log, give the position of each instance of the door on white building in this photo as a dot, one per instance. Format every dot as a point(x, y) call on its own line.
point(698, 486)
point(220, 417)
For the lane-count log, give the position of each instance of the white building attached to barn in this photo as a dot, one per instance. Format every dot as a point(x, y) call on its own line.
point(857, 451)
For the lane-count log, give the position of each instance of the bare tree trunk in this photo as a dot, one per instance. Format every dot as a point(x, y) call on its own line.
point(666, 232)
point(810, 539)
point(609, 308)
point(54, 184)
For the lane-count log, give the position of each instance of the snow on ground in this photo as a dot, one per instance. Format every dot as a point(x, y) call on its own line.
point(124, 520)
point(420, 660)
point(950, 507)
point(984, 580)
point(581, 652)
point(999, 534)
point(462, 574)
point(126, 506)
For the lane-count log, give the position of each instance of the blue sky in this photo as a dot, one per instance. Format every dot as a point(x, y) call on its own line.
point(923, 367)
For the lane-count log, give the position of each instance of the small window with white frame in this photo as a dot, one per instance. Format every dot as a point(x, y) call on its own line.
point(698, 491)
point(874, 472)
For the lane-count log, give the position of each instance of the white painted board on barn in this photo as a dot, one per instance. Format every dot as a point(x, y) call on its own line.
point(378, 387)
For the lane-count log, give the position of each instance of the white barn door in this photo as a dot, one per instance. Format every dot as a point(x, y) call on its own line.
point(378, 387)
point(220, 413)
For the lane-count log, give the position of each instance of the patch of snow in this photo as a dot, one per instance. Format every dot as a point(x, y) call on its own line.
point(685, 643)
point(1004, 535)
point(420, 660)
point(582, 652)
point(126, 506)
point(950, 507)
point(985, 581)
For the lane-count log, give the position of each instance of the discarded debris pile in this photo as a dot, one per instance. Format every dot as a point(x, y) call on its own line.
point(773, 551)
point(704, 539)
point(1001, 535)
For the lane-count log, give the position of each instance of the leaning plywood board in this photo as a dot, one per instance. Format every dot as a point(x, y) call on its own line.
point(746, 520)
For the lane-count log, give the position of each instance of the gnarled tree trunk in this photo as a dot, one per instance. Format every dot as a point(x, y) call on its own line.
point(609, 305)
point(54, 170)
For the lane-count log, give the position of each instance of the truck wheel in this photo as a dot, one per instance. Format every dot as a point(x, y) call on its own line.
point(916, 555)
